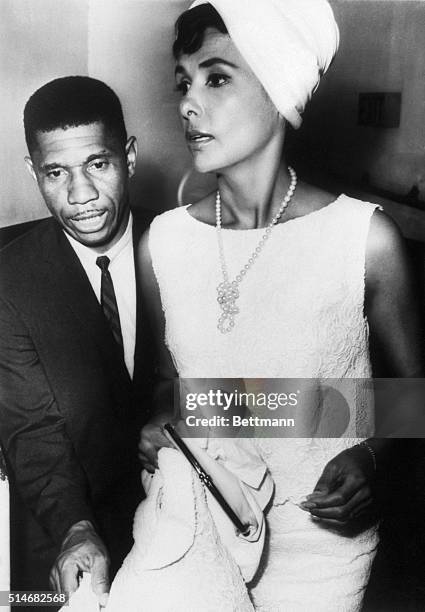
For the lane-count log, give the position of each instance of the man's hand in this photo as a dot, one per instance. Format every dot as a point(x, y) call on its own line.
point(82, 551)
point(152, 438)
point(343, 493)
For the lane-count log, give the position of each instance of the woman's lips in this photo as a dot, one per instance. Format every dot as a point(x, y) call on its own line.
point(197, 139)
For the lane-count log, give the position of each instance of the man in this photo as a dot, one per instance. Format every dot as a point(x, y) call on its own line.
point(70, 413)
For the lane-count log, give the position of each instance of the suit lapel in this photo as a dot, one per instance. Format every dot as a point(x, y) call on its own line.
point(77, 294)
point(74, 291)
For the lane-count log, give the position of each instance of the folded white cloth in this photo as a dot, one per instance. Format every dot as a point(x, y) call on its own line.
point(83, 600)
point(174, 492)
point(179, 562)
point(187, 555)
point(288, 44)
point(241, 458)
point(242, 477)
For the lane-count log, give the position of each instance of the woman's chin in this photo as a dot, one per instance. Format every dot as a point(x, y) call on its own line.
point(216, 165)
point(203, 166)
point(204, 162)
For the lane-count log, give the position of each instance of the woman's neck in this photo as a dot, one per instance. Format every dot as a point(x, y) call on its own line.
point(252, 191)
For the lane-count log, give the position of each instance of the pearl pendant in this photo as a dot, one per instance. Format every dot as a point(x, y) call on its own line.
point(227, 294)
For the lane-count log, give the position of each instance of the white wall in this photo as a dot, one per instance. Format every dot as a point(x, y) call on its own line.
point(129, 47)
point(126, 43)
point(39, 40)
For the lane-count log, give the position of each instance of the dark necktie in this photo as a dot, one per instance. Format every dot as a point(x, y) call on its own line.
point(108, 300)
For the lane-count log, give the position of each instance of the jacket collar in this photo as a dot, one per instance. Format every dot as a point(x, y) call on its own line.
point(77, 294)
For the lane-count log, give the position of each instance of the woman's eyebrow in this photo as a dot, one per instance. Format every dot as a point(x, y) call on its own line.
point(216, 60)
point(212, 61)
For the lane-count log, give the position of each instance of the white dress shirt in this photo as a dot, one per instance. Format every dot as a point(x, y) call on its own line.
point(123, 276)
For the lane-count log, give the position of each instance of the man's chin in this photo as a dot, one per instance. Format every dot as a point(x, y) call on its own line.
point(100, 234)
point(94, 240)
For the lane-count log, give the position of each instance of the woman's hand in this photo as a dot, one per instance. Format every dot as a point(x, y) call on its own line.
point(152, 438)
point(344, 491)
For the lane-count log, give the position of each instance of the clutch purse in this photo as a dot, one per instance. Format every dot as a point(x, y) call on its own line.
point(207, 481)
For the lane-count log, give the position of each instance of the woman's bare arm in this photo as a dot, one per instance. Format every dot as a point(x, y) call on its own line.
point(345, 489)
point(391, 303)
point(396, 330)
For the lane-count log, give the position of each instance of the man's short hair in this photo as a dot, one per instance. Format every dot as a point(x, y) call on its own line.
point(69, 102)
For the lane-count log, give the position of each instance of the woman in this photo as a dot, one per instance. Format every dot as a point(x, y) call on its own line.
point(270, 277)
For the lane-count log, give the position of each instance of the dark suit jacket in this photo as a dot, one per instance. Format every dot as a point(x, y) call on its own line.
point(70, 415)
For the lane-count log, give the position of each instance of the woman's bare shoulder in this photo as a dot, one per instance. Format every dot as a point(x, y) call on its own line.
point(384, 235)
point(386, 251)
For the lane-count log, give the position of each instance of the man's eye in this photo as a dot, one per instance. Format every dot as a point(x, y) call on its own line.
point(217, 80)
point(99, 164)
point(56, 173)
point(183, 87)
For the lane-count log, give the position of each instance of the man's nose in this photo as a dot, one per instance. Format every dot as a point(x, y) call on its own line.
point(81, 188)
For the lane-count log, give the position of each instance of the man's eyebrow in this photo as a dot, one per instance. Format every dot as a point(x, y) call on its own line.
point(90, 158)
point(48, 167)
point(103, 153)
point(206, 64)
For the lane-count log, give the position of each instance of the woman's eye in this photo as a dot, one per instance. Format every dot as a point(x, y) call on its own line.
point(183, 87)
point(217, 80)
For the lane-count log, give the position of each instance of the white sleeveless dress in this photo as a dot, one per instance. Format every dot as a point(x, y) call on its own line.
point(301, 316)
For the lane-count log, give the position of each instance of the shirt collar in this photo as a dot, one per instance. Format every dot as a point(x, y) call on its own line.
point(87, 255)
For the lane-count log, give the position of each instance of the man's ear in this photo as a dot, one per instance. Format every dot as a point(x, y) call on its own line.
point(131, 155)
point(30, 167)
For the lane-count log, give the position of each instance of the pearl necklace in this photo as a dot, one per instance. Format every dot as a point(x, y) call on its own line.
point(228, 291)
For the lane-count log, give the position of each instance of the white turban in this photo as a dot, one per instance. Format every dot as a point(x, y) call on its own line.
point(288, 44)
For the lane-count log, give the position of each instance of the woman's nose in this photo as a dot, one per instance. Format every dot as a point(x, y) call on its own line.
point(190, 107)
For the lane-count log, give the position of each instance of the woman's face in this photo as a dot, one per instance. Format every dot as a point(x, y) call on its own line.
point(227, 116)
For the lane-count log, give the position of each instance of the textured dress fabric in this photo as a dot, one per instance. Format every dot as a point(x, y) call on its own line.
point(301, 317)
point(179, 561)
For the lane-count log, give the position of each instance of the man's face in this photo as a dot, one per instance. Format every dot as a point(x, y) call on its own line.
point(83, 173)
